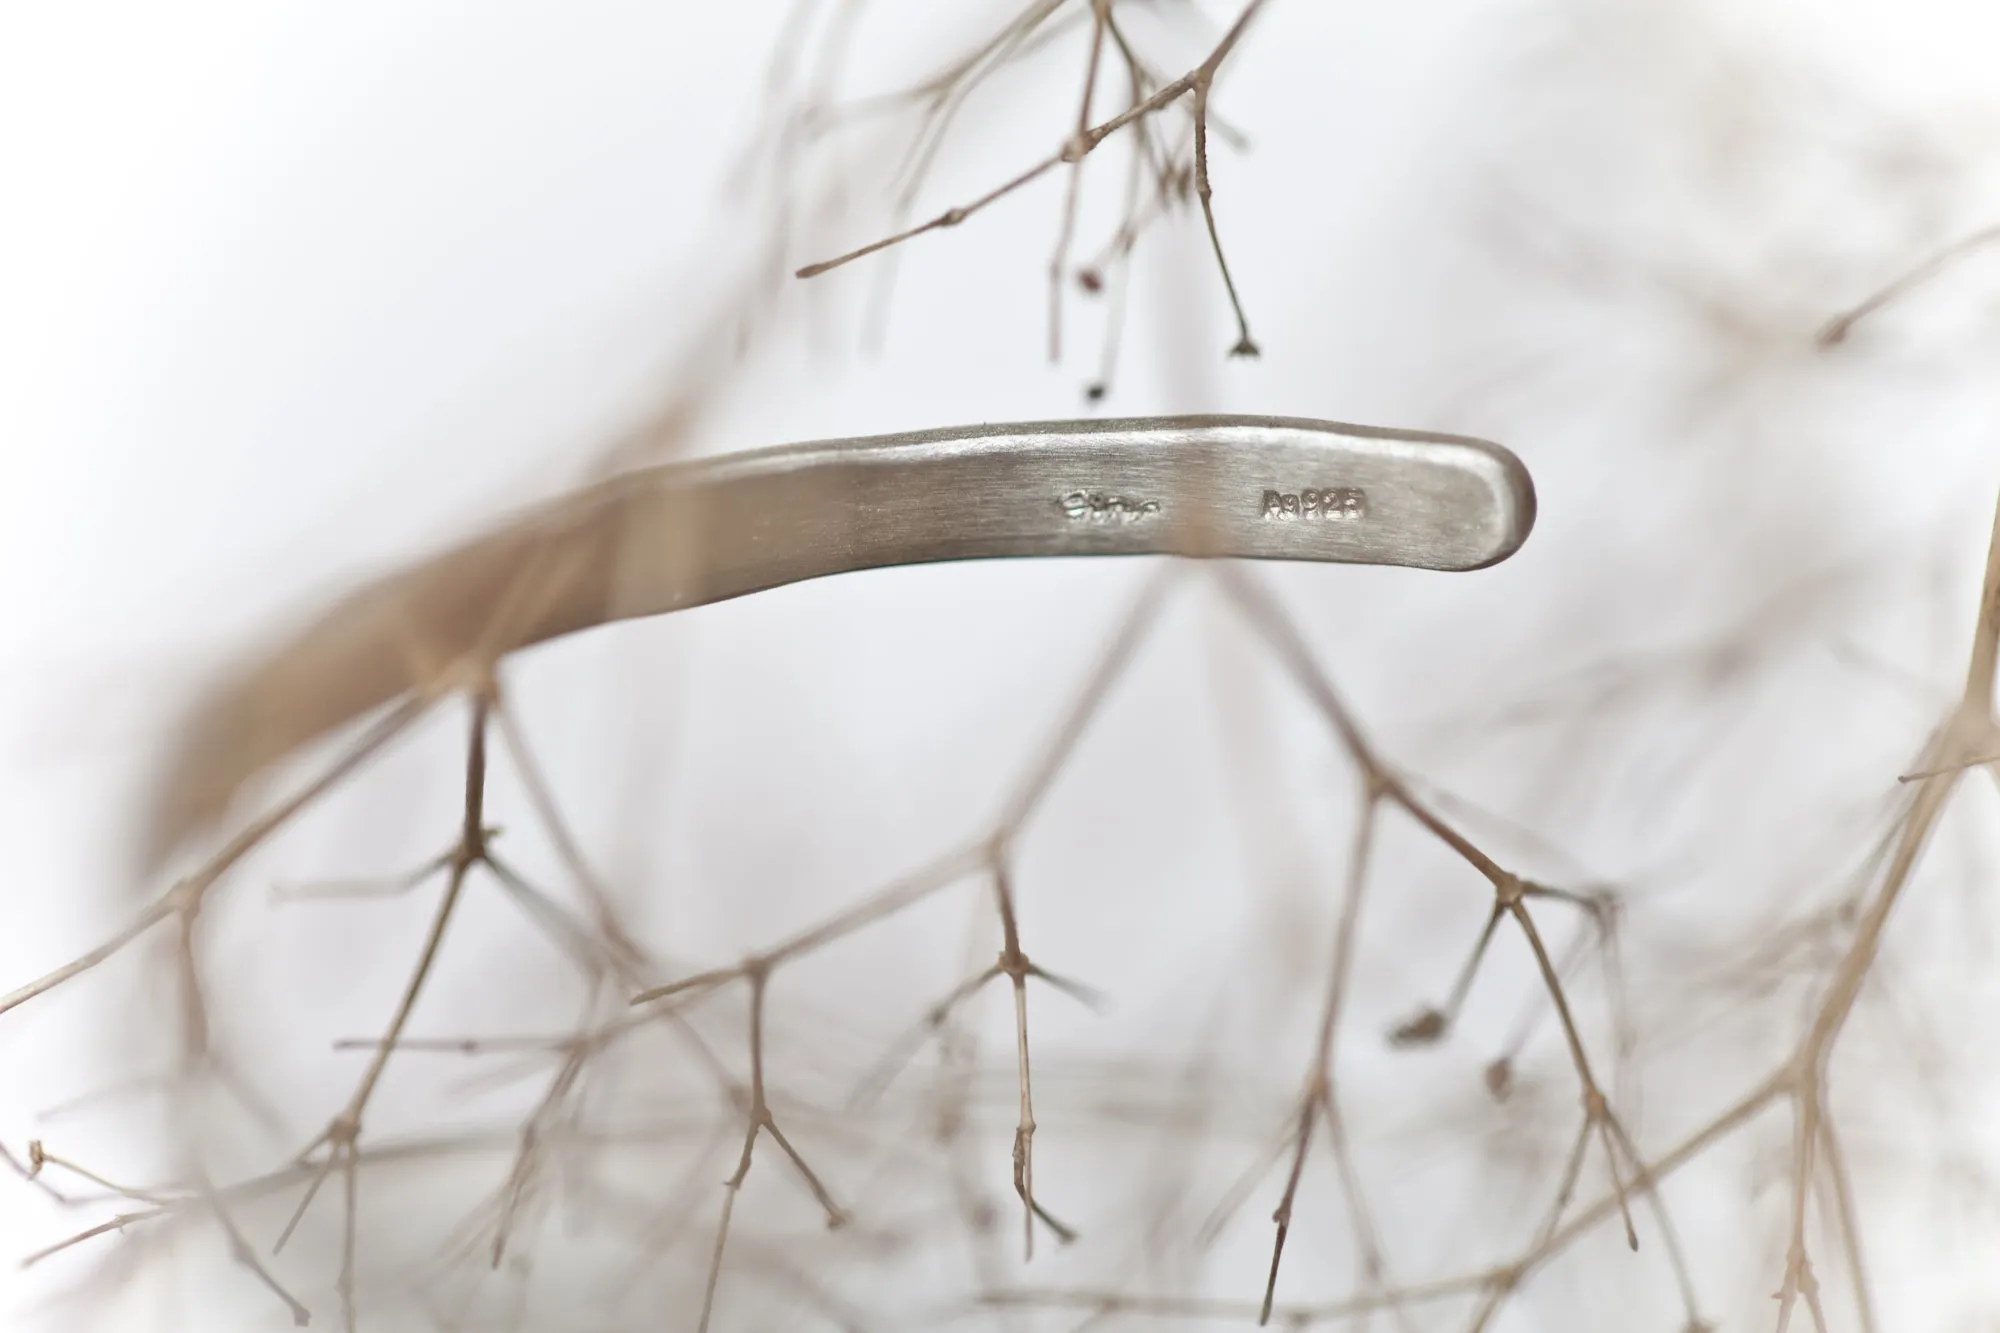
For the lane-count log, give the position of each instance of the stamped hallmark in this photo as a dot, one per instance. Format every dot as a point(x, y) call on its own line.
point(1340, 504)
point(1097, 507)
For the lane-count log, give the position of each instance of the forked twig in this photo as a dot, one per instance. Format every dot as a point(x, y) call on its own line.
point(758, 1120)
point(990, 856)
point(1198, 84)
point(1511, 892)
point(342, 1135)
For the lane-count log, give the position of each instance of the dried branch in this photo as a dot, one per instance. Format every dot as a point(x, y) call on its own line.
point(1197, 84)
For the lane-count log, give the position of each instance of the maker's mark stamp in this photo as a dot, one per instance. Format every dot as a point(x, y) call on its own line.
point(1340, 504)
point(1097, 507)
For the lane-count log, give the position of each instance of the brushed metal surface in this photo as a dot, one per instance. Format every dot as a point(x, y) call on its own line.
point(685, 534)
point(1190, 486)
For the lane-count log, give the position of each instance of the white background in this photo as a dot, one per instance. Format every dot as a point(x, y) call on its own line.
point(288, 293)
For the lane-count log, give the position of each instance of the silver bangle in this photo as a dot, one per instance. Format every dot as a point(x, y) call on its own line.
point(686, 534)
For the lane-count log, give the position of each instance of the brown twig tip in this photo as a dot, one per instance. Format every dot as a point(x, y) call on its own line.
point(1425, 1028)
point(1835, 331)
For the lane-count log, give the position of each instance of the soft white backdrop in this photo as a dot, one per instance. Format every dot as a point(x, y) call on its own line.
point(287, 293)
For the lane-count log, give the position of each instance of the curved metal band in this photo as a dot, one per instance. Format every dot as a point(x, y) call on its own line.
point(690, 533)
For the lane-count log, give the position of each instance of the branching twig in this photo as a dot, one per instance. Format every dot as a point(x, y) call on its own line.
point(1197, 84)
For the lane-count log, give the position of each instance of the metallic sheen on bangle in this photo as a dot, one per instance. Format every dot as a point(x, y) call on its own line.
point(689, 533)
